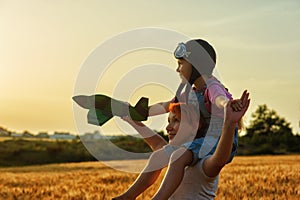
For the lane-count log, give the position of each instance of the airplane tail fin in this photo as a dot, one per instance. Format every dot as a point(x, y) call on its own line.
point(140, 111)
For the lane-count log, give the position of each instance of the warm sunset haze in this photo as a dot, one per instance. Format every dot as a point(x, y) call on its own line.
point(45, 43)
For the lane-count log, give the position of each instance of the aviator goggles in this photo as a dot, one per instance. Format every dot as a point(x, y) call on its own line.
point(181, 51)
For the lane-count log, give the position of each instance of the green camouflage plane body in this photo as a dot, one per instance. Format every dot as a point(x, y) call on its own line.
point(102, 108)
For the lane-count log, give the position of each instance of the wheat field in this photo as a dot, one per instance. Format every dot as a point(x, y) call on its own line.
point(257, 177)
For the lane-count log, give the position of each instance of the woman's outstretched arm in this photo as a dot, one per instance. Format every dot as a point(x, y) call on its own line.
point(159, 108)
point(214, 164)
point(154, 140)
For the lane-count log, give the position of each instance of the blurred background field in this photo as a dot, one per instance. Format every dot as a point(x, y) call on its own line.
point(267, 134)
point(247, 177)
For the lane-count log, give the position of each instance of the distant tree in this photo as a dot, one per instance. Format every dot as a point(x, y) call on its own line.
point(27, 134)
point(266, 122)
point(269, 133)
point(4, 132)
point(162, 133)
point(61, 133)
point(42, 135)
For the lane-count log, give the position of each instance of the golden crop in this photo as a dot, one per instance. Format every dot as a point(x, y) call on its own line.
point(259, 177)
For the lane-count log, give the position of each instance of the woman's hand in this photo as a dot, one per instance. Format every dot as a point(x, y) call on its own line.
point(236, 105)
point(232, 115)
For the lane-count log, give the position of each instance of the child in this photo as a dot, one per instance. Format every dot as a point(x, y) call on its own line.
point(196, 61)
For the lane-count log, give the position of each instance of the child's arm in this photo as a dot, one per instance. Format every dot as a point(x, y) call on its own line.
point(154, 140)
point(221, 102)
point(159, 108)
point(217, 95)
point(213, 165)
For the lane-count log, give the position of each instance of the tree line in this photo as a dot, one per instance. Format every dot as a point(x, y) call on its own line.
point(267, 133)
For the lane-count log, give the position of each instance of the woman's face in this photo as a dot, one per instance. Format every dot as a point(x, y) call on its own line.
point(173, 124)
point(184, 69)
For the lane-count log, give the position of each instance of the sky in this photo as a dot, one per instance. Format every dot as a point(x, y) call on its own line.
point(44, 45)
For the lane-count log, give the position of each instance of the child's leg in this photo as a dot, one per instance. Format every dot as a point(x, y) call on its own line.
point(178, 161)
point(150, 173)
point(233, 149)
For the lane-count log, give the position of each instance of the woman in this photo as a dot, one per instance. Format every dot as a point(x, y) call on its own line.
point(199, 181)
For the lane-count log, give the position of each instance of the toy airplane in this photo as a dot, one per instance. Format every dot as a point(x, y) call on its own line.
point(102, 108)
